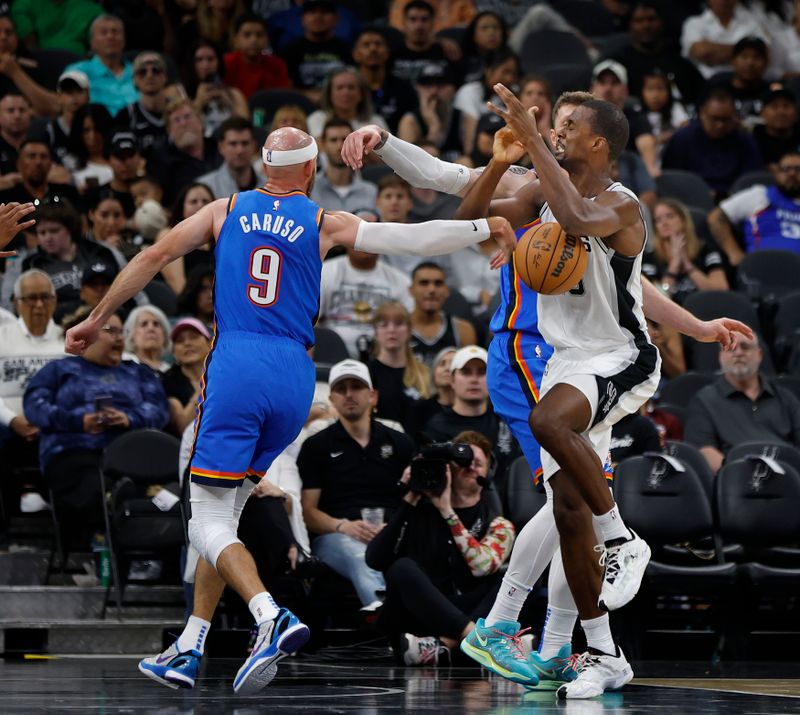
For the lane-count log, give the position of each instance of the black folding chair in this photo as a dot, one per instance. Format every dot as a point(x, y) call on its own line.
point(685, 186)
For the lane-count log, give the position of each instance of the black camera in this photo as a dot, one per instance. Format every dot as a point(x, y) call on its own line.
point(429, 468)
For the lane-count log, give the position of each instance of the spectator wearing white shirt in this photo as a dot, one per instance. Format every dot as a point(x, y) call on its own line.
point(708, 38)
point(768, 215)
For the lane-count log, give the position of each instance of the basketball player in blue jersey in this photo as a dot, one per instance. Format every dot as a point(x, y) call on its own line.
point(258, 380)
point(518, 355)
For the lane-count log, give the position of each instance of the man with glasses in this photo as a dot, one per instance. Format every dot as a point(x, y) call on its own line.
point(742, 405)
point(767, 216)
point(713, 145)
point(26, 345)
point(145, 116)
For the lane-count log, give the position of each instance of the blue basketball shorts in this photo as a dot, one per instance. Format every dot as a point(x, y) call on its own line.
point(514, 374)
point(256, 395)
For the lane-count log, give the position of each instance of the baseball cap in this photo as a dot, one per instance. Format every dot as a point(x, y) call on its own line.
point(75, 77)
point(350, 368)
point(751, 42)
point(309, 5)
point(124, 142)
point(489, 123)
point(612, 66)
point(436, 73)
point(777, 91)
point(97, 272)
point(149, 58)
point(193, 323)
point(464, 355)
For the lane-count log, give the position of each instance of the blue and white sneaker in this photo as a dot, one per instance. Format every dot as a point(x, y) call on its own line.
point(172, 668)
point(498, 648)
point(556, 671)
point(276, 639)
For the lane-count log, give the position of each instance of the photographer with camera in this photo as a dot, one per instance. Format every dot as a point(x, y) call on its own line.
point(441, 551)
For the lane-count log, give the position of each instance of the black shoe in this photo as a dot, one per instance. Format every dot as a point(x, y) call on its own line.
point(306, 566)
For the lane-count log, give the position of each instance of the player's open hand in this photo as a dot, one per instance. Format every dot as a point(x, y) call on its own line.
point(506, 148)
point(11, 223)
point(501, 231)
point(724, 331)
point(359, 144)
point(81, 337)
point(521, 121)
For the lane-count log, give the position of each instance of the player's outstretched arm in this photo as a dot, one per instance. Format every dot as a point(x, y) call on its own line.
point(431, 238)
point(189, 234)
point(11, 223)
point(661, 309)
point(419, 168)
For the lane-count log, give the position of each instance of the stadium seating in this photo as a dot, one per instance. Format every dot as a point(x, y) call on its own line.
point(544, 49)
point(524, 500)
point(685, 186)
point(751, 178)
point(329, 348)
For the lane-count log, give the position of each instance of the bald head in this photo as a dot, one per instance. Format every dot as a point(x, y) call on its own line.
point(298, 165)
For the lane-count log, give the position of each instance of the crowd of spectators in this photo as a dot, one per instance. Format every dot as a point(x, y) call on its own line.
point(118, 125)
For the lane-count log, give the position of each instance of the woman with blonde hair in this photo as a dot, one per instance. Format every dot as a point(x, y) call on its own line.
point(146, 333)
point(345, 95)
point(680, 262)
point(289, 115)
point(401, 380)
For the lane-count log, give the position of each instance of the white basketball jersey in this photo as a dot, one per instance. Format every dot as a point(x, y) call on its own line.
point(603, 314)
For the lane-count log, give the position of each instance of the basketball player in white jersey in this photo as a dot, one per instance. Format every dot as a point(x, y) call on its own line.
point(517, 197)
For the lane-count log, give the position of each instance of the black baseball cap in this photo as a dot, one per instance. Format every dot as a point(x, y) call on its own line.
point(751, 42)
point(123, 143)
point(436, 73)
point(778, 91)
point(99, 272)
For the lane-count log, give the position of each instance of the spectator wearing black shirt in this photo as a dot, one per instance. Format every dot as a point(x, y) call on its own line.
point(487, 32)
point(779, 134)
point(145, 117)
point(73, 93)
point(746, 82)
point(610, 82)
point(713, 145)
point(87, 160)
point(15, 121)
point(472, 411)
point(312, 58)
point(420, 47)
point(400, 379)
point(191, 341)
point(651, 48)
point(353, 464)
point(392, 98)
point(680, 262)
point(437, 121)
point(125, 160)
point(188, 153)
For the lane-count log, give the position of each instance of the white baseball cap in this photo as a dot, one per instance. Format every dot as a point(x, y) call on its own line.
point(617, 69)
point(350, 368)
point(464, 355)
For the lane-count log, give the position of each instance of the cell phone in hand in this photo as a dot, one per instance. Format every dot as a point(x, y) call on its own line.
point(102, 402)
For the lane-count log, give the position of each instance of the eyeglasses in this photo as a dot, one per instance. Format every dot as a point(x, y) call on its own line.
point(113, 331)
point(153, 69)
point(34, 298)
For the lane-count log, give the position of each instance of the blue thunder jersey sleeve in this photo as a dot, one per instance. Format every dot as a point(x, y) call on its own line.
point(268, 266)
point(517, 310)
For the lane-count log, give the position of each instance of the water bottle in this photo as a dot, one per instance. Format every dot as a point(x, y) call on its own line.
point(102, 559)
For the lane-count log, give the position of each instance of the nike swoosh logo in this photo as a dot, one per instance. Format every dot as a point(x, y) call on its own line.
point(481, 641)
point(334, 455)
point(474, 227)
point(546, 673)
point(164, 659)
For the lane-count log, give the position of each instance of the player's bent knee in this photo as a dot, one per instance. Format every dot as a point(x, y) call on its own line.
point(543, 426)
point(211, 537)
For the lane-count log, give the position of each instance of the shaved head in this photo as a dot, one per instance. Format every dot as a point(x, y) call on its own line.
point(301, 175)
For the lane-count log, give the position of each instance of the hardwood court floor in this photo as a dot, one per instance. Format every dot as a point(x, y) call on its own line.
point(311, 685)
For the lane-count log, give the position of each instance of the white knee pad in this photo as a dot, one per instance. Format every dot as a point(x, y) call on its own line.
point(214, 521)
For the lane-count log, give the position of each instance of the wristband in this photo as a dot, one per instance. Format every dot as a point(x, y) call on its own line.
point(452, 520)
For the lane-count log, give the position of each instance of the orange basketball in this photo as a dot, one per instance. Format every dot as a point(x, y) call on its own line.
point(548, 260)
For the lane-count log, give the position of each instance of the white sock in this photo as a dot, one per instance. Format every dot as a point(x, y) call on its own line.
point(611, 526)
point(598, 634)
point(509, 601)
point(263, 607)
point(194, 635)
point(558, 626)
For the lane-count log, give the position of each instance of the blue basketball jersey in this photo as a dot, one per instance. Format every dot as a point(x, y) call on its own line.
point(775, 227)
point(268, 266)
point(517, 310)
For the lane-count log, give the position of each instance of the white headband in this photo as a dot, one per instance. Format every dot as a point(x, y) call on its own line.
point(283, 157)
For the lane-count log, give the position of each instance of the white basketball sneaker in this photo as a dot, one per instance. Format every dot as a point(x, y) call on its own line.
point(596, 674)
point(624, 564)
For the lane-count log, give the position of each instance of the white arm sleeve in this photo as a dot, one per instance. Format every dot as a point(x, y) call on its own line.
point(422, 170)
point(431, 238)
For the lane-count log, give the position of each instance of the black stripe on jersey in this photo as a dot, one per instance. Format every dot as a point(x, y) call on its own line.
point(231, 199)
point(518, 370)
point(511, 303)
point(610, 389)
